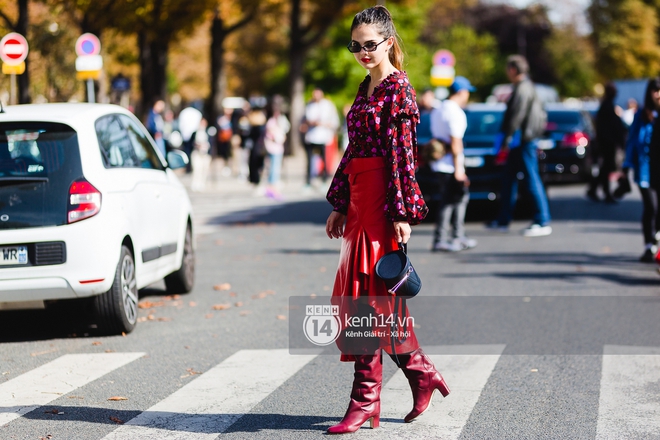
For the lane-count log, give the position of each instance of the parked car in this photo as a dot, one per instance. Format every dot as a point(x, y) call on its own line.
point(481, 164)
point(89, 209)
point(565, 149)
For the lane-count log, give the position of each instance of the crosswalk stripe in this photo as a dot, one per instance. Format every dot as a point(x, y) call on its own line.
point(465, 374)
point(628, 403)
point(50, 381)
point(210, 404)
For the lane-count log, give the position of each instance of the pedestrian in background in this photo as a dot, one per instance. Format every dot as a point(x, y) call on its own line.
point(277, 127)
point(255, 144)
point(610, 136)
point(319, 126)
point(375, 199)
point(201, 157)
point(156, 124)
point(448, 123)
point(225, 134)
point(524, 122)
point(189, 120)
point(638, 159)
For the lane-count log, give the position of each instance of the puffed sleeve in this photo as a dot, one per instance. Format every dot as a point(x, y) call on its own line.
point(404, 198)
point(339, 192)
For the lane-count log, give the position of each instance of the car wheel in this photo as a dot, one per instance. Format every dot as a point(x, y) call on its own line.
point(183, 280)
point(116, 310)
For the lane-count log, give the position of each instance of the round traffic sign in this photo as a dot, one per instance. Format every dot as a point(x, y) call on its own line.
point(13, 49)
point(87, 45)
point(444, 58)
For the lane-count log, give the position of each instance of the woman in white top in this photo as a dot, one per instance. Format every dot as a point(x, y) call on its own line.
point(277, 127)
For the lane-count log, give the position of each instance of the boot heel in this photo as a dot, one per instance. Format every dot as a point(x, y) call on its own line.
point(443, 388)
point(374, 422)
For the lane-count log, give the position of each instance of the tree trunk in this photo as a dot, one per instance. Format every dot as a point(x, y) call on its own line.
point(153, 70)
point(296, 78)
point(218, 77)
point(22, 28)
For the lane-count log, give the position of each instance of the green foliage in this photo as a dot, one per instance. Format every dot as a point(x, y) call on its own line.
point(625, 37)
point(572, 59)
point(476, 55)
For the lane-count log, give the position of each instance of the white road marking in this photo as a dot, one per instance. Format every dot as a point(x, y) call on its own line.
point(210, 404)
point(629, 404)
point(49, 382)
point(466, 375)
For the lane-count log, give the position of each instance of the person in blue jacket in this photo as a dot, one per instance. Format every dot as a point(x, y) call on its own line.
point(637, 158)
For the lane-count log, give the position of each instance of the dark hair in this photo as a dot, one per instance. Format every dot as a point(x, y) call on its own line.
point(381, 18)
point(649, 104)
point(519, 63)
point(610, 92)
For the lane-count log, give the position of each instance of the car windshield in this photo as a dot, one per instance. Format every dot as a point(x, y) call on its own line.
point(34, 150)
point(483, 122)
point(563, 120)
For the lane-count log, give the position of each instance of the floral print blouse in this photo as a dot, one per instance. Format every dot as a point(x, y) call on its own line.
point(391, 107)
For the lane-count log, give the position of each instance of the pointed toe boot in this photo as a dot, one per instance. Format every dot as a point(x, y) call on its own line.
point(365, 396)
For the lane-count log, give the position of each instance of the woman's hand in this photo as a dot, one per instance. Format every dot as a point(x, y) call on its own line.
point(402, 232)
point(334, 227)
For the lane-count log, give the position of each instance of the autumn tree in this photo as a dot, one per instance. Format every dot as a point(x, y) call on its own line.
point(625, 35)
point(573, 60)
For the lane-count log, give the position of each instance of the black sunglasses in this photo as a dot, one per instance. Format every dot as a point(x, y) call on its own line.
point(354, 46)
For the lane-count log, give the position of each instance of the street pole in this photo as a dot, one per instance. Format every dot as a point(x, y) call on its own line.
point(90, 91)
point(12, 89)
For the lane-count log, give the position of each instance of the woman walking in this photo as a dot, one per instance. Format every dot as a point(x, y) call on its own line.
point(637, 158)
point(277, 127)
point(375, 199)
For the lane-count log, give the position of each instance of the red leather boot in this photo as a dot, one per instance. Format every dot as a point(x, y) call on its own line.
point(365, 396)
point(424, 379)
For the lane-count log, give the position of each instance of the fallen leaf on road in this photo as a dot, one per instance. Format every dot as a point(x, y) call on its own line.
point(109, 351)
point(232, 293)
point(223, 286)
point(208, 316)
point(238, 304)
point(97, 343)
point(48, 437)
point(281, 317)
point(191, 372)
point(142, 319)
point(54, 411)
point(150, 317)
point(164, 319)
point(313, 295)
point(172, 297)
point(535, 370)
point(150, 305)
point(117, 398)
point(117, 420)
point(221, 306)
point(192, 304)
point(39, 353)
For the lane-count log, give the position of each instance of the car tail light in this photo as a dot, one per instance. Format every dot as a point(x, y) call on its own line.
point(84, 201)
point(574, 140)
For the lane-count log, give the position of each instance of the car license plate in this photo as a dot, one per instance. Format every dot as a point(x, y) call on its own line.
point(474, 161)
point(10, 255)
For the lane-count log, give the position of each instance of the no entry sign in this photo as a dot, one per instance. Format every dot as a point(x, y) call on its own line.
point(13, 49)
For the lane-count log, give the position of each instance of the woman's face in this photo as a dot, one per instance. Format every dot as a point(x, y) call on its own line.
point(364, 35)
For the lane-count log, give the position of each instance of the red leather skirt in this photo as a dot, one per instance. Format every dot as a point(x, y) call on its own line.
point(368, 235)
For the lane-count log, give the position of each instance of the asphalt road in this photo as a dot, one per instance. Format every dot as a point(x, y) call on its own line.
point(539, 338)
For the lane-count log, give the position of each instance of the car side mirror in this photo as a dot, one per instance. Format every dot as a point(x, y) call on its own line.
point(176, 159)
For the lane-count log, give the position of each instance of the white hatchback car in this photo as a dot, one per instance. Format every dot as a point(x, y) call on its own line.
point(89, 209)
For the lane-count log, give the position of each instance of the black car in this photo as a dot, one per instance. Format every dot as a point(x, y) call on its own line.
point(564, 150)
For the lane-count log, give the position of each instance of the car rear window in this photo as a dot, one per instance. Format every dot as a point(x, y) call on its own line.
point(483, 123)
point(562, 120)
point(38, 162)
